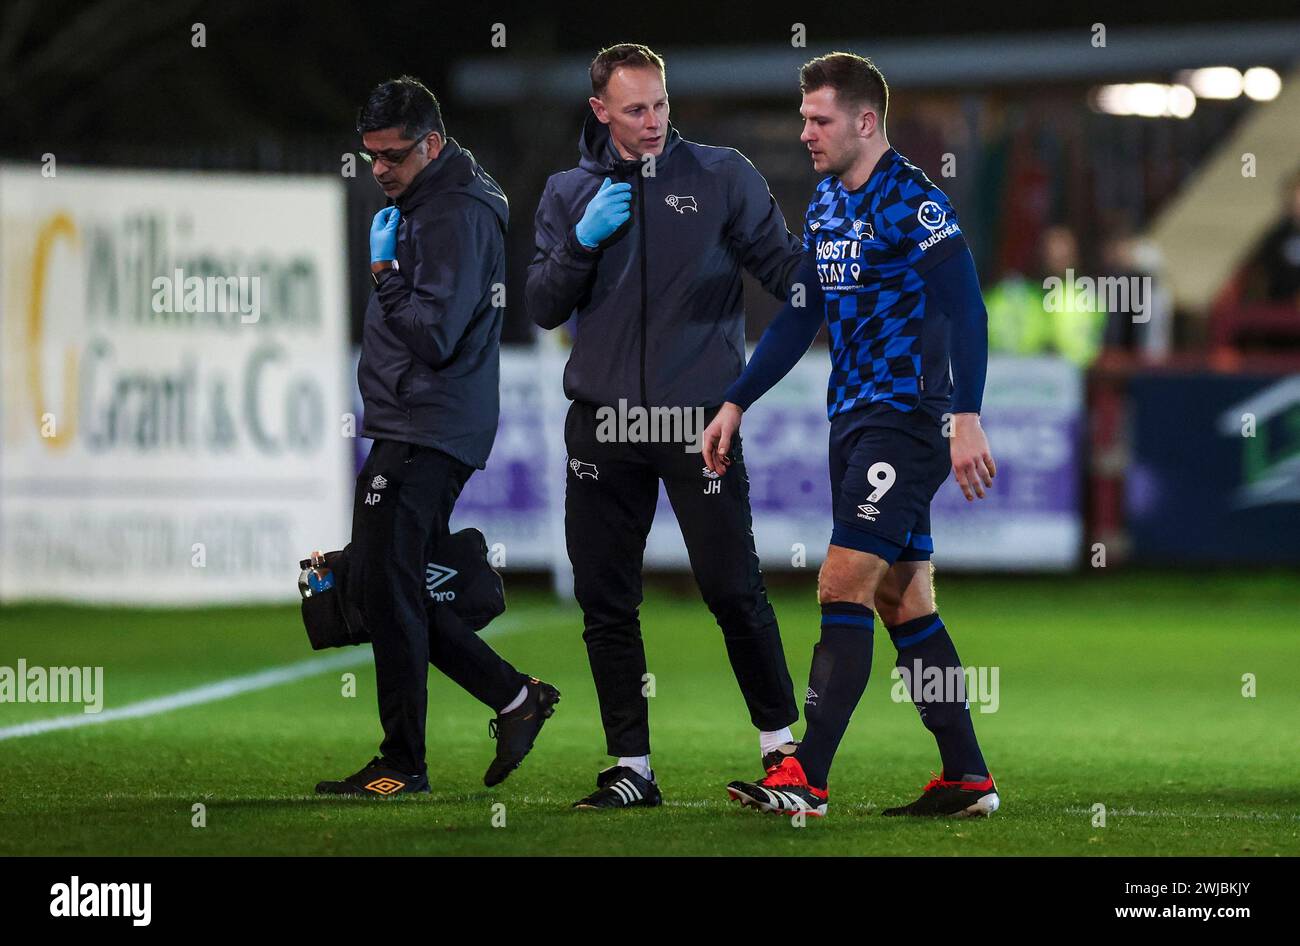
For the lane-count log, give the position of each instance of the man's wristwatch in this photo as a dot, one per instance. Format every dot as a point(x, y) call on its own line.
point(378, 269)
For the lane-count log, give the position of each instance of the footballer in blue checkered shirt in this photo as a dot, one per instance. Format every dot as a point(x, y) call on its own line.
point(888, 270)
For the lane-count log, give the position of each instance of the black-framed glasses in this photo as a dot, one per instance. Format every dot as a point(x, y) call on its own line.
point(392, 158)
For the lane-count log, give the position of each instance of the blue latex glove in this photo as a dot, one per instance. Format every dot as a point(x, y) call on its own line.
point(383, 235)
point(606, 212)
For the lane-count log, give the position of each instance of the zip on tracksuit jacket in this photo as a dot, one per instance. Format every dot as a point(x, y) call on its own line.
point(660, 307)
point(430, 342)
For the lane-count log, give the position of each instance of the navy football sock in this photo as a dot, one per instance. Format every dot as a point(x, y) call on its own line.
point(840, 667)
point(926, 655)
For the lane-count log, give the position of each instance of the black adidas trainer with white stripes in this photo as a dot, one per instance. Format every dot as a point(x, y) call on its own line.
point(621, 787)
point(783, 791)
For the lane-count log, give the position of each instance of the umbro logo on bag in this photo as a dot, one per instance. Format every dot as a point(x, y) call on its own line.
point(435, 575)
point(868, 511)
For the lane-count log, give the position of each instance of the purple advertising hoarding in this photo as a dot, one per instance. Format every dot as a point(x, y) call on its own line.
point(1031, 519)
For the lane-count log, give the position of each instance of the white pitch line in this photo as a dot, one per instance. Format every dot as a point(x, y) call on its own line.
point(1241, 815)
point(208, 693)
point(211, 692)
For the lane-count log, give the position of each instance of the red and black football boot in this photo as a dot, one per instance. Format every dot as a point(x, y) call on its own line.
point(773, 758)
point(783, 791)
point(974, 796)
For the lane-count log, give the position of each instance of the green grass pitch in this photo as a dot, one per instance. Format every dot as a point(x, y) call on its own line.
point(1116, 689)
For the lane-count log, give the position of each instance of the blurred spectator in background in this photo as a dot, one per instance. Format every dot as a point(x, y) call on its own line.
point(1020, 322)
point(1142, 324)
point(1273, 273)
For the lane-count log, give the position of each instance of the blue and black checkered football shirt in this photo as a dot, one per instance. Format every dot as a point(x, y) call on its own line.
point(873, 244)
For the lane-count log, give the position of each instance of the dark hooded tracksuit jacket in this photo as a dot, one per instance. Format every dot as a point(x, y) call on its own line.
point(658, 321)
point(428, 374)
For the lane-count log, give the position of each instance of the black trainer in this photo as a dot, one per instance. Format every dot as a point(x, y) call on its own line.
point(377, 778)
point(621, 787)
point(516, 731)
point(975, 796)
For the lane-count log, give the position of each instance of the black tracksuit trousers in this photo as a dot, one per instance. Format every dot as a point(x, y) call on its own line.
point(611, 492)
point(403, 501)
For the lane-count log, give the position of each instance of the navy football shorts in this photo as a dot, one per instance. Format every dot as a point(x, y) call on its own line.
point(885, 468)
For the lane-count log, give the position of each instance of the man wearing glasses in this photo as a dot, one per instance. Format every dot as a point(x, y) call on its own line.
point(428, 377)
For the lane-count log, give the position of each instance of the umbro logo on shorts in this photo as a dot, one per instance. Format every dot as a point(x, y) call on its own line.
point(868, 512)
point(378, 483)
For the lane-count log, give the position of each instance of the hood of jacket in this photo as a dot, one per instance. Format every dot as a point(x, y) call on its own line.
point(657, 311)
point(598, 155)
point(454, 171)
point(429, 375)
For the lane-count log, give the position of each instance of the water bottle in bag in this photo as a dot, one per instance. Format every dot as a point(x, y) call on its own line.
point(315, 576)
